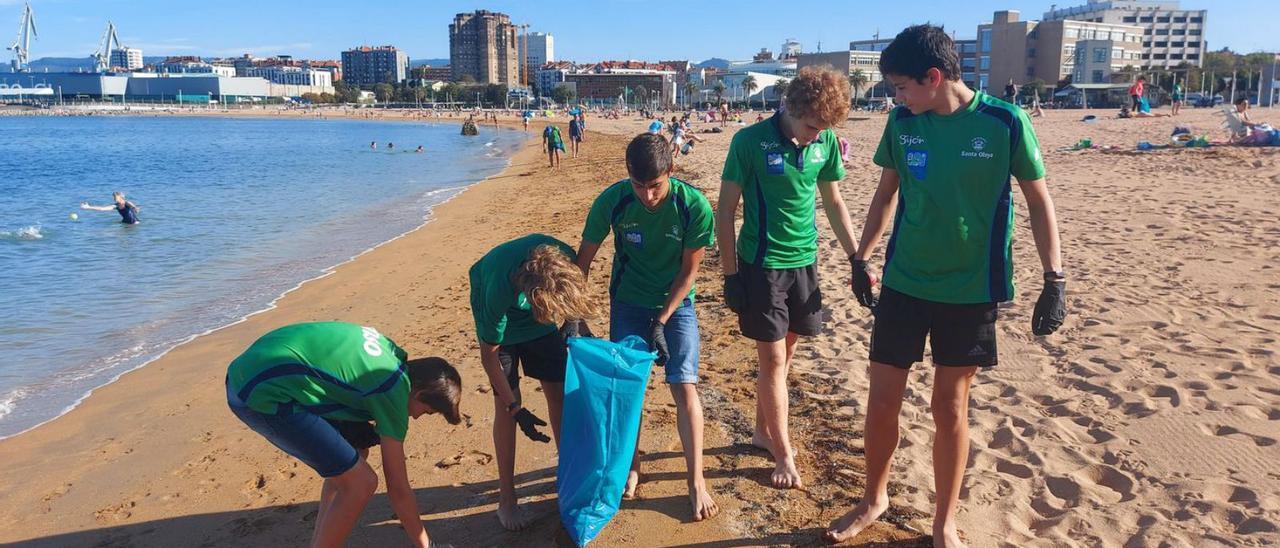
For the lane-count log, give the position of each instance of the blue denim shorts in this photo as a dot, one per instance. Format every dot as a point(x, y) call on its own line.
point(304, 435)
point(682, 335)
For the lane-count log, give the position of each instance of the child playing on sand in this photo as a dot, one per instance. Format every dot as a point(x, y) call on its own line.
point(776, 168)
point(520, 290)
point(948, 154)
point(311, 390)
point(661, 229)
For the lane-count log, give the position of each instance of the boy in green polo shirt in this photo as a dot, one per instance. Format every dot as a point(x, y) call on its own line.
point(948, 155)
point(661, 229)
point(776, 168)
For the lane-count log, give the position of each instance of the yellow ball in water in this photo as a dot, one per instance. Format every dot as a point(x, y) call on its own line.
point(74, 216)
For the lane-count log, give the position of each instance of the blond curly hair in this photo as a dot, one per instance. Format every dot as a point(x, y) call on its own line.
point(555, 286)
point(820, 91)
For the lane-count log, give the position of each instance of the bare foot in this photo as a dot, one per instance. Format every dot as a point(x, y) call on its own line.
point(785, 475)
point(948, 538)
point(762, 441)
point(513, 518)
point(633, 481)
point(700, 499)
point(849, 525)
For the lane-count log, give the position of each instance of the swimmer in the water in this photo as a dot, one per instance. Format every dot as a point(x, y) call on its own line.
point(373, 145)
point(391, 146)
point(419, 149)
point(128, 210)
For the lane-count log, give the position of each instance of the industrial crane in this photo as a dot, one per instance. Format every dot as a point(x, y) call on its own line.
point(22, 46)
point(102, 57)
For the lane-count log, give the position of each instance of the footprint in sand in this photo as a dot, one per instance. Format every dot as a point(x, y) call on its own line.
point(1225, 431)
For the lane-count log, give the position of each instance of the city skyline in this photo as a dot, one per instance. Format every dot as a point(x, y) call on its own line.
point(69, 28)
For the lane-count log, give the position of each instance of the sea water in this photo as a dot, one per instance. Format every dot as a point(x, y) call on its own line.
point(234, 213)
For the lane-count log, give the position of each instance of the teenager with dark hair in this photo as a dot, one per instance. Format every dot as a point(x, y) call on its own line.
point(661, 229)
point(776, 169)
point(311, 389)
point(947, 156)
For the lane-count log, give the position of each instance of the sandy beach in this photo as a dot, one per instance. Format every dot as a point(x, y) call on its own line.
point(1150, 419)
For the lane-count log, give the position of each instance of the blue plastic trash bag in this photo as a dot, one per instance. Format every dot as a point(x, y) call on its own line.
point(604, 388)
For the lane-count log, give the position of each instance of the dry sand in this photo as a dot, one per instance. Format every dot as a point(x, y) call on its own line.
point(1150, 419)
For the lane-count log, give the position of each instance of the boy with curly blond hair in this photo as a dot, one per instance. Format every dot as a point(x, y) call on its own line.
point(776, 168)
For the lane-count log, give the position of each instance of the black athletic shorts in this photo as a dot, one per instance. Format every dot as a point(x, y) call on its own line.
point(360, 435)
point(780, 300)
point(544, 358)
point(960, 335)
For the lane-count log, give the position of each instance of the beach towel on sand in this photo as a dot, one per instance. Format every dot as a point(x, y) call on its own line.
point(604, 389)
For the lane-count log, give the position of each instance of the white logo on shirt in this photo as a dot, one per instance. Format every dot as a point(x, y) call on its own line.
point(907, 140)
point(766, 145)
point(371, 341)
point(978, 143)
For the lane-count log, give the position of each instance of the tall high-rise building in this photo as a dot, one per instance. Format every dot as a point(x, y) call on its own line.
point(1170, 35)
point(542, 49)
point(366, 66)
point(126, 58)
point(482, 45)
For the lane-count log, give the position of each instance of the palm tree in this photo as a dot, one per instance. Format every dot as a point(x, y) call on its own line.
point(642, 93)
point(749, 85)
point(690, 89)
point(780, 89)
point(719, 89)
point(857, 79)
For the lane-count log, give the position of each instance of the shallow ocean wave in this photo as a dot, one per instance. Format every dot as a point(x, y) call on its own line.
point(28, 233)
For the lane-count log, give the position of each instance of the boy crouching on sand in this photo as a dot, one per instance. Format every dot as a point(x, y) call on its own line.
point(661, 229)
point(311, 390)
point(948, 154)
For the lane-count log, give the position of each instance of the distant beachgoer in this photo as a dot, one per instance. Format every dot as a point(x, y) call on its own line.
point(312, 389)
point(1176, 98)
point(655, 127)
point(520, 291)
point(1011, 92)
point(525, 118)
point(128, 210)
point(419, 149)
point(1136, 92)
point(373, 145)
point(1242, 111)
point(553, 143)
point(575, 135)
point(391, 146)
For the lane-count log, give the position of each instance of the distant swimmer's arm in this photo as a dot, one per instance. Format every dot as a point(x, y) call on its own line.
point(85, 205)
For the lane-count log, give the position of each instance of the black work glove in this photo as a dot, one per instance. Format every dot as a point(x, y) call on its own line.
point(1051, 307)
point(658, 341)
point(735, 293)
point(528, 424)
point(574, 328)
point(863, 282)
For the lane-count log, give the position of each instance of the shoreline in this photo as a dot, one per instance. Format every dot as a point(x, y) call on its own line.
point(427, 218)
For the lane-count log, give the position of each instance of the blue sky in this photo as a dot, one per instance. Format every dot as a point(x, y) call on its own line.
point(589, 30)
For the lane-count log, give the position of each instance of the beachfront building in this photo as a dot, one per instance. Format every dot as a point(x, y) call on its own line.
point(294, 76)
point(550, 75)
point(482, 48)
point(367, 66)
point(1170, 35)
point(541, 49)
point(865, 60)
point(190, 64)
point(611, 82)
point(1100, 61)
point(126, 58)
point(1010, 48)
point(428, 73)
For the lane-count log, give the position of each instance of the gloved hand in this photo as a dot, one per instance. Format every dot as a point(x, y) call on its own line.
point(1051, 307)
point(658, 341)
point(735, 293)
point(863, 282)
point(528, 423)
point(574, 328)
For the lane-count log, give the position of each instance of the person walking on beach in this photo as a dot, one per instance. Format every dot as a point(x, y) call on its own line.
point(552, 141)
point(575, 135)
point(661, 229)
point(1136, 91)
point(520, 291)
point(128, 210)
point(1011, 92)
point(948, 154)
point(311, 389)
point(776, 168)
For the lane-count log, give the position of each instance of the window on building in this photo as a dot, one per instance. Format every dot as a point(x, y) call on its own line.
point(1031, 71)
point(1116, 53)
point(1180, 19)
point(1175, 56)
point(1146, 56)
point(1146, 32)
point(1162, 32)
point(1178, 44)
point(1158, 56)
point(1193, 56)
point(1104, 35)
point(1162, 19)
point(1179, 31)
point(1162, 44)
point(984, 63)
point(1197, 19)
point(1193, 45)
point(1099, 55)
point(1131, 19)
point(1194, 32)
point(1031, 52)
point(984, 40)
point(1098, 75)
point(1146, 44)
point(1146, 19)
point(1072, 33)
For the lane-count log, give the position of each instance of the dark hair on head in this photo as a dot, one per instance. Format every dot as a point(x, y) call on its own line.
point(436, 383)
point(1142, 78)
point(1244, 100)
point(919, 48)
point(648, 157)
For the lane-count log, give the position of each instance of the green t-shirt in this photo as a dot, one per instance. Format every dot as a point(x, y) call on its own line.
point(952, 236)
point(501, 312)
point(337, 370)
point(649, 245)
point(779, 183)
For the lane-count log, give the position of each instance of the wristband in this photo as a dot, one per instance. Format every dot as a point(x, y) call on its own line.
point(1055, 276)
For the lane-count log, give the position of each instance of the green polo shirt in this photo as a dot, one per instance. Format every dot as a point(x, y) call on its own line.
point(501, 311)
point(952, 238)
point(649, 244)
point(779, 183)
point(337, 370)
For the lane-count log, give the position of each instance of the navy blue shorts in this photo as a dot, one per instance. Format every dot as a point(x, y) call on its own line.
point(960, 335)
point(304, 435)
